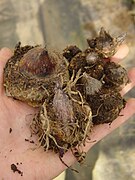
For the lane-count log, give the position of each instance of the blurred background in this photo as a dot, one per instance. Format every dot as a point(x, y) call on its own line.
point(58, 23)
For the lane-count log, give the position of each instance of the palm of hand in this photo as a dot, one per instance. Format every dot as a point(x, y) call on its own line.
point(14, 131)
point(14, 149)
point(35, 164)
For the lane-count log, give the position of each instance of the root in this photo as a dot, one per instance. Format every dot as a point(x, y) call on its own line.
point(97, 111)
point(45, 131)
point(72, 82)
point(67, 165)
point(86, 131)
point(88, 120)
point(57, 143)
point(80, 155)
point(47, 92)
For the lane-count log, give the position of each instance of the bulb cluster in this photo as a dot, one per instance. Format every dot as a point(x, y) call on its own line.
point(74, 90)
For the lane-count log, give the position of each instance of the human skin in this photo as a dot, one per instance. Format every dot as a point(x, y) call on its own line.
point(33, 161)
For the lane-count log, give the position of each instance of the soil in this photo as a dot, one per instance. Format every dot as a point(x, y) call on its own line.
point(15, 169)
point(31, 141)
point(10, 130)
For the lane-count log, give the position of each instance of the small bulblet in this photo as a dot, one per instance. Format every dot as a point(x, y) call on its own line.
point(107, 106)
point(90, 85)
point(105, 44)
point(37, 62)
point(63, 122)
point(70, 52)
point(115, 75)
point(32, 72)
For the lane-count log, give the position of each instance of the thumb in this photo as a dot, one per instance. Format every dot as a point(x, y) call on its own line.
point(5, 54)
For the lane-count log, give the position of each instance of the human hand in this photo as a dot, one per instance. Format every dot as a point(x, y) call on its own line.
point(37, 164)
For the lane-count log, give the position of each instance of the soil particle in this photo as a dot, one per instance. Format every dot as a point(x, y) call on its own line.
point(31, 141)
point(10, 130)
point(26, 139)
point(15, 169)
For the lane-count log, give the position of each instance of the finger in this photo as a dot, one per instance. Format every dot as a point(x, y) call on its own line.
point(121, 53)
point(100, 131)
point(5, 54)
point(128, 87)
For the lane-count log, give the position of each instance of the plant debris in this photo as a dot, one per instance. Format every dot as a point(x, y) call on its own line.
point(74, 90)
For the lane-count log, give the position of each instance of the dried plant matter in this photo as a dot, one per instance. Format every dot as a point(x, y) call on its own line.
point(73, 91)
